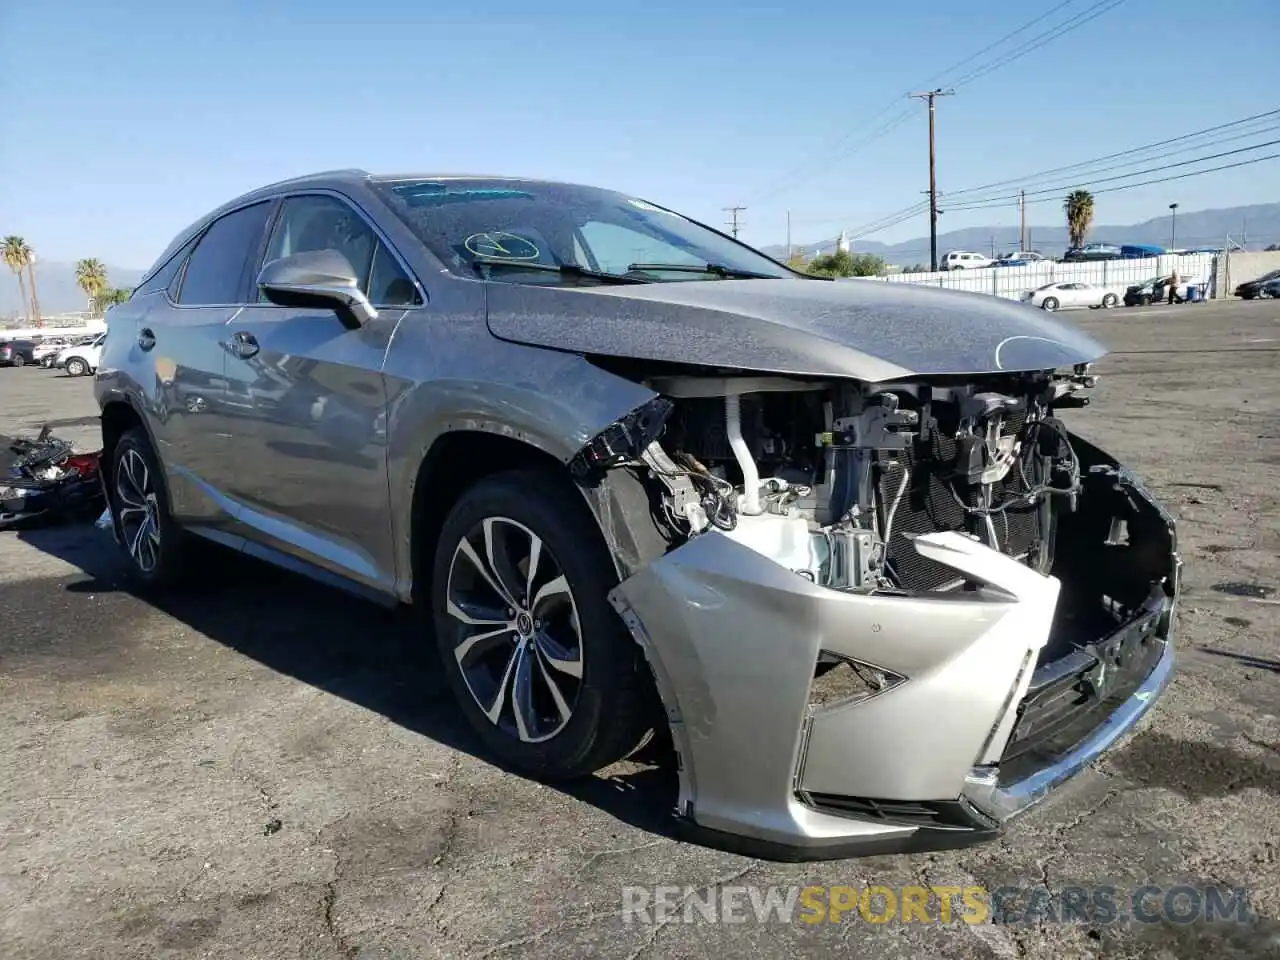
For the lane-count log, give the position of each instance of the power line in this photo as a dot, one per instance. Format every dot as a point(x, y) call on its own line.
point(968, 201)
point(902, 217)
point(1000, 201)
point(893, 221)
point(1179, 176)
point(797, 174)
point(1067, 26)
point(1031, 177)
point(991, 46)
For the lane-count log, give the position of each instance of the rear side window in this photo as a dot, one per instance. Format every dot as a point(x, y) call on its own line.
point(214, 273)
point(161, 279)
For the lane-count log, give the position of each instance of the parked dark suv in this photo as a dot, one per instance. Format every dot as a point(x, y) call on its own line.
point(17, 353)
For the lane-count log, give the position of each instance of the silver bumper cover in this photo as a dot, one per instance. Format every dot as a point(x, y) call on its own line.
point(733, 638)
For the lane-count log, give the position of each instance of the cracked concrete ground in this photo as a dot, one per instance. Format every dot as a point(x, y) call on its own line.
point(263, 768)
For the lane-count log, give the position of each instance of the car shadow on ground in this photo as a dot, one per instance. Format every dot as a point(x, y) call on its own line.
point(378, 658)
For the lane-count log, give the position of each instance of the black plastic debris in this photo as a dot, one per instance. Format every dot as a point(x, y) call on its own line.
point(1254, 591)
point(44, 482)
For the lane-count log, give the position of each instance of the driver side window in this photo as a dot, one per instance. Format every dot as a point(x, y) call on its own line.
point(317, 222)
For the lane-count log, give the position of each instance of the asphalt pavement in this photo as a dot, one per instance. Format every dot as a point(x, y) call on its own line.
point(260, 767)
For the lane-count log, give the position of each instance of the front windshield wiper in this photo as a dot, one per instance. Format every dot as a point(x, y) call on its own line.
point(719, 269)
point(569, 271)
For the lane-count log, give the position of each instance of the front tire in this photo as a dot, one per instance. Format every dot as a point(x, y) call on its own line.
point(1050, 304)
point(542, 667)
point(19, 360)
point(77, 367)
point(154, 544)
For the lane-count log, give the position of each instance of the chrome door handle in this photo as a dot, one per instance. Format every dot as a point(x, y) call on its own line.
point(146, 339)
point(244, 345)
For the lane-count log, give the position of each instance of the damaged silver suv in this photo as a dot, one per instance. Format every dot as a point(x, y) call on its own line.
point(885, 597)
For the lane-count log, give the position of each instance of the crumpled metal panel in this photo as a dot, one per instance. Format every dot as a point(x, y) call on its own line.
point(735, 637)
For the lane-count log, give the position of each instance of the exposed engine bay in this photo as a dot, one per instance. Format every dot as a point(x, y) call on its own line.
point(884, 493)
point(834, 480)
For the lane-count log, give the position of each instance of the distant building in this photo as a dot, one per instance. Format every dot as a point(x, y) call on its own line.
point(842, 243)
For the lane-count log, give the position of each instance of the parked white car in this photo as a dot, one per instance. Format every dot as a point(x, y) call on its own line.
point(1073, 293)
point(46, 353)
point(82, 360)
point(963, 260)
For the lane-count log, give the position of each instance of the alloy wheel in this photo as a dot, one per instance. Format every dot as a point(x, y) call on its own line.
point(518, 639)
point(138, 510)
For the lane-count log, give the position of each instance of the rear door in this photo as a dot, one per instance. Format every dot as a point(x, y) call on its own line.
point(312, 465)
point(185, 336)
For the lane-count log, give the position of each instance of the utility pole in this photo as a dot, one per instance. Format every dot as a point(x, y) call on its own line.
point(734, 225)
point(1173, 225)
point(1022, 219)
point(930, 96)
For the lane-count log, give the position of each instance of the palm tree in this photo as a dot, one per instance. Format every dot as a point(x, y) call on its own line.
point(1079, 207)
point(91, 275)
point(112, 296)
point(16, 253)
point(35, 300)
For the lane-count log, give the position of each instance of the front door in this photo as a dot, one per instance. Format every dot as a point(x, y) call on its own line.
point(312, 459)
point(184, 334)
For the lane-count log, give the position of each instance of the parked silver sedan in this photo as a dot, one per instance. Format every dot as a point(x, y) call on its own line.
point(833, 536)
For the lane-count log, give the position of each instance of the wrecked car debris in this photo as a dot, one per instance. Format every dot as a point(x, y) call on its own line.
point(44, 482)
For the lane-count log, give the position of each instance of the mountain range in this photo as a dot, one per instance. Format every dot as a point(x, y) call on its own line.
point(57, 288)
point(1259, 224)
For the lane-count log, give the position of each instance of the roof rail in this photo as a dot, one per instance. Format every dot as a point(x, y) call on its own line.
point(302, 178)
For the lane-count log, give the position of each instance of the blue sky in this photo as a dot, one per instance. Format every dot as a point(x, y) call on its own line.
point(124, 121)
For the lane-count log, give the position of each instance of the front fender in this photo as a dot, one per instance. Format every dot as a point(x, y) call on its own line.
point(471, 381)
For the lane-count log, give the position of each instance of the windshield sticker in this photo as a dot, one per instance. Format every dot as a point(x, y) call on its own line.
point(438, 194)
point(501, 246)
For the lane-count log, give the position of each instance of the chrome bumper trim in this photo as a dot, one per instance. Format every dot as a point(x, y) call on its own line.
point(983, 791)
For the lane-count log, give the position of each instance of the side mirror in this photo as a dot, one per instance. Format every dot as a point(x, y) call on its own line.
point(317, 278)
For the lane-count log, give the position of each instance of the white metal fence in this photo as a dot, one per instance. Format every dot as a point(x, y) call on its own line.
point(1012, 282)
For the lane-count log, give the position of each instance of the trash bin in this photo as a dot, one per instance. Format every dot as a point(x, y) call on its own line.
point(1193, 292)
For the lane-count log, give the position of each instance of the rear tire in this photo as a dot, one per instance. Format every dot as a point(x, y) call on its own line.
point(76, 367)
point(1109, 301)
point(541, 665)
point(1050, 304)
point(154, 545)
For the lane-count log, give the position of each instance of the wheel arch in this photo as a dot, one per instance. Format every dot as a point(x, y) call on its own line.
point(456, 461)
point(617, 502)
point(120, 415)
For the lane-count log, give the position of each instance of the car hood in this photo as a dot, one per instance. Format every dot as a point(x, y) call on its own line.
point(863, 329)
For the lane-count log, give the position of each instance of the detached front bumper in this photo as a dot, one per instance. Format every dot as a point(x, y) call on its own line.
point(975, 723)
